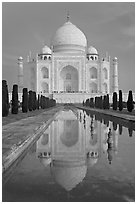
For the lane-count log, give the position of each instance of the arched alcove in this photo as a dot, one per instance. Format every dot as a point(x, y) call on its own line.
point(45, 72)
point(105, 73)
point(105, 88)
point(93, 87)
point(68, 79)
point(45, 87)
point(45, 139)
point(93, 73)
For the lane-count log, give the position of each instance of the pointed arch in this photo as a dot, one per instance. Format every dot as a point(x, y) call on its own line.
point(45, 72)
point(105, 88)
point(105, 73)
point(93, 73)
point(45, 87)
point(93, 87)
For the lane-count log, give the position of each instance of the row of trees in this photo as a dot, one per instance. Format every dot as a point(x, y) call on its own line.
point(30, 101)
point(102, 102)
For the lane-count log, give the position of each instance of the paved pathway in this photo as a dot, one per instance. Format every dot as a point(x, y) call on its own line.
point(17, 136)
point(109, 112)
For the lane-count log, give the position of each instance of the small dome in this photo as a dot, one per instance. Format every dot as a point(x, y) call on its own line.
point(92, 50)
point(20, 58)
point(69, 35)
point(46, 50)
point(115, 59)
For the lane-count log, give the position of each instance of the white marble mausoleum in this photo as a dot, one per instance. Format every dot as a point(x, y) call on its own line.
point(69, 70)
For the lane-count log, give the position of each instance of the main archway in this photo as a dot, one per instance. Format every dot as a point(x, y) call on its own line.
point(68, 80)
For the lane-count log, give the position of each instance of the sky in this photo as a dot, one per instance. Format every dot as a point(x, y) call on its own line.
point(108, 26)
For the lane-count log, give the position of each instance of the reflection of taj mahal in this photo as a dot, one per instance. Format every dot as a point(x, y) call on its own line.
point(69, 69)
point(66, 145)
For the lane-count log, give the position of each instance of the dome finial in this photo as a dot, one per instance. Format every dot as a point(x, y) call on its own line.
point(68, 16)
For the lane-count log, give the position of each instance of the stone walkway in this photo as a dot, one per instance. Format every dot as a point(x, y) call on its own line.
point(109, 112)
point(17, 136)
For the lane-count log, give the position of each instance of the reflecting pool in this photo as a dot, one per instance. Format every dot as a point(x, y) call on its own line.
point(80, 157)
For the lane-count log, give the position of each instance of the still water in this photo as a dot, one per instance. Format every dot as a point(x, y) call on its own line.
point(75, 161)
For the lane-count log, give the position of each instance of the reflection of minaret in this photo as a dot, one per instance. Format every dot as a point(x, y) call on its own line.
point(115, 135)
point(20, 74)
point(115, 76)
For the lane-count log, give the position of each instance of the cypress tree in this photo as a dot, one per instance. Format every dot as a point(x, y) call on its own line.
point(5, 99)
point(87, 102)
point(114, 101)
point(14, 109)
point(104, 102)
point(34, 100)
point(130, 105)
point(47, 102)
point(30, 101)
point(101, 102)
point(120, 101)
point(107, 101)
point(114, 126)
point(25, 100)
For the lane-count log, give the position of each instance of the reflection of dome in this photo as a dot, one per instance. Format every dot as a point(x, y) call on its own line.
point(92, 50)
point(46, 50)
point(69, 177)
point(69, 36)
point(45, 161)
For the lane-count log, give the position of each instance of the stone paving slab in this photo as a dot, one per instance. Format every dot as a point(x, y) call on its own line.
point(18, 135)
point(108, 112)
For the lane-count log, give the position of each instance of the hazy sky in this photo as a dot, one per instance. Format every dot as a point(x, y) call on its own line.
point(107, 26)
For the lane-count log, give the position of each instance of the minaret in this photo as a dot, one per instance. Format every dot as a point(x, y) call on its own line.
point(115, 76)
point(20, 74)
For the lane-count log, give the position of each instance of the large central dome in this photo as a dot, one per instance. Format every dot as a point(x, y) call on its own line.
point(68, 37)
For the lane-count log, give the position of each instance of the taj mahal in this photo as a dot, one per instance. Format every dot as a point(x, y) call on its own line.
point(69, 70)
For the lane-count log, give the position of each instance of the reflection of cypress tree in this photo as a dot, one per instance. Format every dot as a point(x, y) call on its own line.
point(98, 117)
point(110, 156)
point(105, 121)
point(91, 128)
point(87, 112)
point(130, 131)
point(91, 115)
point(114, 126)
point(120, 129)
